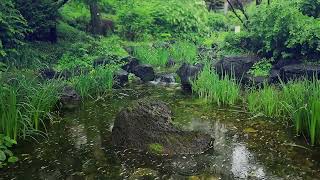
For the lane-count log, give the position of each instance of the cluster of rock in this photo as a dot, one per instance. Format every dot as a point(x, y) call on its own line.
point(282, 70)
point(239, 67)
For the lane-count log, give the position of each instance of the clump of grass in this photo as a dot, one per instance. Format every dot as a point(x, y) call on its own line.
point(212, 88)
point(265, 101)
point(156, 148)
point(97, 81)
point(184, 51)
point(297, 100)
point(24, 104)
point(302, 102)
point(151, 55)
point(9, 111)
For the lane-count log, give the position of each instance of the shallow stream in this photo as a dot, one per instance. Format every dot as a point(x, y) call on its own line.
point(246, 147)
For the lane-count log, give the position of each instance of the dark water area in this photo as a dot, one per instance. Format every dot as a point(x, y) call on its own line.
point(78, 145)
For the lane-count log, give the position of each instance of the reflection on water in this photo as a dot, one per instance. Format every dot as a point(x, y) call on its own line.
point(79, 147)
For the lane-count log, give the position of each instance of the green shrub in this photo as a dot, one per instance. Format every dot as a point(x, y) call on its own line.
point(261, 68)
point(185, 18)
point(76, 13)
point(310, 7)
point(282, 31)
point(13, 28)
point(6, 155)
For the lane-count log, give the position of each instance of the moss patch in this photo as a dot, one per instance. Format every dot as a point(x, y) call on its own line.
point(156, 148)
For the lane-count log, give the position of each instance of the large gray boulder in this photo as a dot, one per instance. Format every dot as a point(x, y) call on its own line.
point(299, 71)
point(235, 65)
point(147, 125)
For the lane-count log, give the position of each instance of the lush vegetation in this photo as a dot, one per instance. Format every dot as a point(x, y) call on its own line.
point(68, 37)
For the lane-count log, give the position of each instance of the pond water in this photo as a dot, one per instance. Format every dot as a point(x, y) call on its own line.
point(246, 147)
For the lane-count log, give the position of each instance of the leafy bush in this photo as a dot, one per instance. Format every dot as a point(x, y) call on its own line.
point(76, 13)
point(281, 30)
point(41, 16)
point(6, 155)
point(310, 7)
point(261, 68)
point(179, 18)
point(12, 27)
point(81, 54)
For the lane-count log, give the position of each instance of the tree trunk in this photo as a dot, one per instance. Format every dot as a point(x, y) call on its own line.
point(95, 18)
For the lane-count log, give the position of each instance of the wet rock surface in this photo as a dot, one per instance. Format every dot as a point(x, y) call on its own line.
point(121, 78)
point(165, 78)
point(144, 72)
point(147, 123)
point(170, 63)
point(236, 65)
point(187, 73)
point(48, 73)
point(130, 63)
point(69, 98)
point(299, 71)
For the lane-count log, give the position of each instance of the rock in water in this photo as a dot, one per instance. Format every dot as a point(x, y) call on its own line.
point(69, 98)
point(144, 72)
point(147, 125)
point(188, 73)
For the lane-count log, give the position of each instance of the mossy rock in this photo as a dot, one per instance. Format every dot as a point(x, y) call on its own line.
point(147, 125)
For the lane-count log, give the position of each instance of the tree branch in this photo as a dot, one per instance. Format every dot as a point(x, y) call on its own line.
point(234, 11)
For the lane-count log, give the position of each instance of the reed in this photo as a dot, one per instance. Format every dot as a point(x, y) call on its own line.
point(221, 91)
point(264, 101)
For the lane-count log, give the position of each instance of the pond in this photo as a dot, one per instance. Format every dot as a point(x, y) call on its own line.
point(78, 144)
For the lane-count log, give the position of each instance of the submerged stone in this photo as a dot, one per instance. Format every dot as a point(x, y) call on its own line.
point(69, 98)
point(147, 125)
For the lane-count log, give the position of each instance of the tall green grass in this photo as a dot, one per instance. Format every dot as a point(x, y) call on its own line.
point(265, 101)
point(151, 55)
point(221, 91)
point(9, 111)
point(97, 81)
point(181, 51)
point(24, 105)
point(184, 51)
point(297, 100)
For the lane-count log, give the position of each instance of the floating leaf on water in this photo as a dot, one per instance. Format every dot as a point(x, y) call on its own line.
point(250, 130)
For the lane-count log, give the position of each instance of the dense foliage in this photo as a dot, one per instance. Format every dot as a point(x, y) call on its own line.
point(12, 27)
point(179, 18)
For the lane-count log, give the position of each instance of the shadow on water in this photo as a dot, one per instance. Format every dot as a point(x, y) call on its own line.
point(78, 146)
